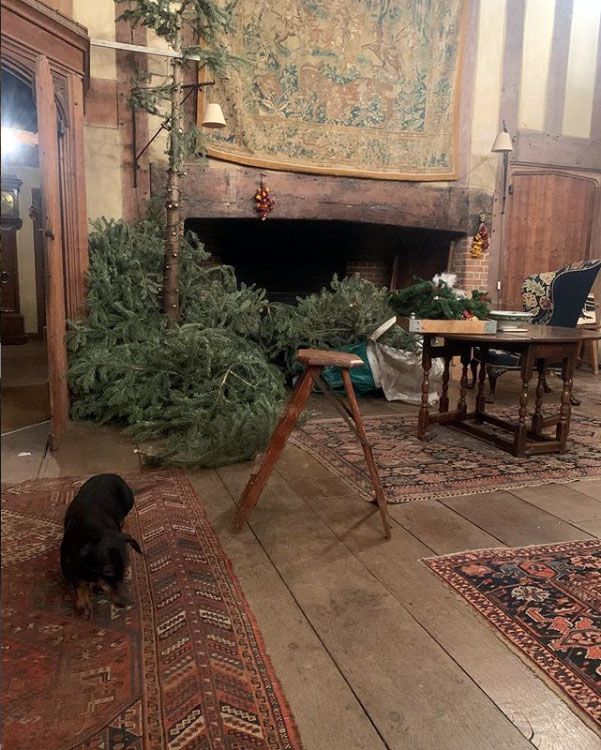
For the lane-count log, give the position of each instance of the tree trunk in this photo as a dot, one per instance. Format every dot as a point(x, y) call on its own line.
point(173, 228)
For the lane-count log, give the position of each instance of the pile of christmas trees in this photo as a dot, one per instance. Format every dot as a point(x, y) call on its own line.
point(203, 389)
point(209, 390)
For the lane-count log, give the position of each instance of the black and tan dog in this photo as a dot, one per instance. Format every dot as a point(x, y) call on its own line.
point(94, 549)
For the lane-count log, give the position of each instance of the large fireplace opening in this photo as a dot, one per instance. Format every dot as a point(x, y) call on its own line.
point(296, 257)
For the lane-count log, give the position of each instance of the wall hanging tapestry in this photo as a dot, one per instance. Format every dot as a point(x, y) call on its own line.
point(547, 601)
point(359, 88)
point(447, 465)
point(182, 667)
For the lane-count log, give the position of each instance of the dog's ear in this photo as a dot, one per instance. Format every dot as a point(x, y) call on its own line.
point(130, 540)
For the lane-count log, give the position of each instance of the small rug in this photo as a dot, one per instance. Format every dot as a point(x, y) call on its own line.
point(448, 463)
point(182, 668)
point(547, 601)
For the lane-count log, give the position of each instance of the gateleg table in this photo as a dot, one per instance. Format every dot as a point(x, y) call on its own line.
point(538, 348)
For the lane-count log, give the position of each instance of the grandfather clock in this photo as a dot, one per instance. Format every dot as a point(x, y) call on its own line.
point(13, 324)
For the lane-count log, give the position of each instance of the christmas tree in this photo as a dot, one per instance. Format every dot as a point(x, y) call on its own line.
point(203, 389)
point(438, 300)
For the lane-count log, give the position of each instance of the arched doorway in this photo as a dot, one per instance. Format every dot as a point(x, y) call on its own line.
point(50, 54)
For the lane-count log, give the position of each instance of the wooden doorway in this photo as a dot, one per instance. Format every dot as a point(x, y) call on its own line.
point(56, 324)
point(549, 223)
point(51, 54)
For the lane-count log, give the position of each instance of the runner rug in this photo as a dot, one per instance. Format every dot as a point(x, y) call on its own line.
point(448, 463)
point(547, 602)
point(182, 667)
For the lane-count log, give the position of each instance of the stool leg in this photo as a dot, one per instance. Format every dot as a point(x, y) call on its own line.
point(257, 482)
point(371, 464)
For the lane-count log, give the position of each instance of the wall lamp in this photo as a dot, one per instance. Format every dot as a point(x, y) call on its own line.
point(503, 145)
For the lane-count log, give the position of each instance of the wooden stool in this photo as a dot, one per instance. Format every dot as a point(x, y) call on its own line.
point(314, 360)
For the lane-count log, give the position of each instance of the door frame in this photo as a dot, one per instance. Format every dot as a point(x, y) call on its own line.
point(30, 30)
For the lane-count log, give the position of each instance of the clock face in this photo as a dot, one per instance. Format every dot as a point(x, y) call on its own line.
point(9, 202)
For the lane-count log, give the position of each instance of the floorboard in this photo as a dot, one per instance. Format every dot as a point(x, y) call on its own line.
point(373, 650)
point(325, 708)
point(562, 501)
point(513, 521)
point(535, 710)
point(402, 676)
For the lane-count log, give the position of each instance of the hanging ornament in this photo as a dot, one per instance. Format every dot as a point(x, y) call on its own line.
point(481, 242)
point(264, 203)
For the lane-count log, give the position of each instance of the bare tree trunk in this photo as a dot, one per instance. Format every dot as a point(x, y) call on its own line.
point(173, 228)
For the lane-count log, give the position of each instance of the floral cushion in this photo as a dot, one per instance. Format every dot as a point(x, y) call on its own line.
point(537, 290)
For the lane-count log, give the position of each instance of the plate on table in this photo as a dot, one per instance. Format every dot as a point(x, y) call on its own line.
point(511, 321)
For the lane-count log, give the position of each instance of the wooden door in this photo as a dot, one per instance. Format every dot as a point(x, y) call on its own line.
point(549, 223)
point(51, 223)
point(35, 212)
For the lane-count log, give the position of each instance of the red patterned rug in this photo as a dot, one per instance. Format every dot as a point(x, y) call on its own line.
point(182, 668)
point(547, 601)
point(448, 463)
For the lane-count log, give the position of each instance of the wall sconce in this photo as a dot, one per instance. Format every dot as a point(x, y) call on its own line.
point(502, 145)
point(213, 116)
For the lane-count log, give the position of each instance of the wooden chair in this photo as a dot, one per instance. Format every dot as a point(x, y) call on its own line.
point(314, 361)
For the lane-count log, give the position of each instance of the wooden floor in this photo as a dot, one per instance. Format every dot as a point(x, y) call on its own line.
point(373, 650)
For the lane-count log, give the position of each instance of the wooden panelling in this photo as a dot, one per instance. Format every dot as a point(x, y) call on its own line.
point(73, 202)
point(101, 103)
point(55, 290)
point(30, 27)
point(549, 223)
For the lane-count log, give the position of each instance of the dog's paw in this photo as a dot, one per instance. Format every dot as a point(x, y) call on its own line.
point(84, 609)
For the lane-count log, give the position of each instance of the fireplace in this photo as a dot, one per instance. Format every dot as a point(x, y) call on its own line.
point(295, 257)
point(388, 231)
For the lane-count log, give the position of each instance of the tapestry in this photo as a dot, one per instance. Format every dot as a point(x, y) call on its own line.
point(182, 667)
point(368, 88)
point(547, 601)
point(448, 463)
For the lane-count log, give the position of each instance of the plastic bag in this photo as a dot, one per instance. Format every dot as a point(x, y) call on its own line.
point(361, 377)
point(399, 373)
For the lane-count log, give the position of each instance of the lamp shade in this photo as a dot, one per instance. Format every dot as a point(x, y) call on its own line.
point(502, 143)
point(213, 117)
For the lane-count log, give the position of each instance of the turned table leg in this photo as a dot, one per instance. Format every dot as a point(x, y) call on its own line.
point(424, 412)
point(537, 417)
point(481, 397)
point(565, 410)
point(521, 431)
point(466, 358)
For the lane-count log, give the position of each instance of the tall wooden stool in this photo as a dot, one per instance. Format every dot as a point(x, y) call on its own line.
point(314, 360)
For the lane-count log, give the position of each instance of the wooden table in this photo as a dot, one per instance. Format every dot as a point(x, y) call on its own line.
point(540, 347)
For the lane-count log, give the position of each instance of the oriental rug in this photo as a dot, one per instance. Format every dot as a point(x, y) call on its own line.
point(546, 601)
point(360, 88)
point(182, 667)
point(448, 463)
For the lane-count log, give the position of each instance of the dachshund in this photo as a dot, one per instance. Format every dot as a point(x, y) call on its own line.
point(94, 548)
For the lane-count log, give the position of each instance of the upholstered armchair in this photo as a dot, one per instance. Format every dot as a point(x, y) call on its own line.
point(556, 298)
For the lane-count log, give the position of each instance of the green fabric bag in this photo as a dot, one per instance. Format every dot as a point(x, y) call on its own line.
point(361, 377)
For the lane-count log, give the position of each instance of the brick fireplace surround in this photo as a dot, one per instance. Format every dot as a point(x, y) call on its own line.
point(428, 228)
